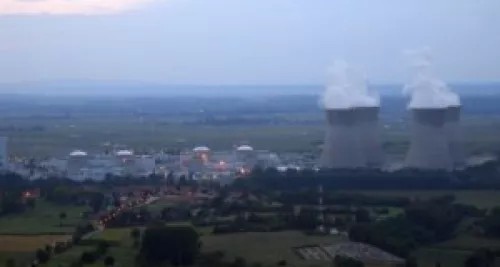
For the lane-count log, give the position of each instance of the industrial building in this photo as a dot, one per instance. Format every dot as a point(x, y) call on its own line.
point(342, 147)
point(429, 145)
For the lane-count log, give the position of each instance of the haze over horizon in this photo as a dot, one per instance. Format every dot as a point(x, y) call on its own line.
point(242, 42)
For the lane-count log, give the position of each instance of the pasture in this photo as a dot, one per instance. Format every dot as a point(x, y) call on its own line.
point(43, 219)
point(22, 248)
point(478, 198)
point(266, 248)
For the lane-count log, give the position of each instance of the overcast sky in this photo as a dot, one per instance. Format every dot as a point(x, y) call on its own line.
point(243, 41)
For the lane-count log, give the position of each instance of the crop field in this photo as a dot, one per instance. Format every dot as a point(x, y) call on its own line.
point(48, 131)
point(14, 243)
point(43, 219)
point(22, 248)
point(267, 248)
point(481, 199)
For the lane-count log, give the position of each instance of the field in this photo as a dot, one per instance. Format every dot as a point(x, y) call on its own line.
point(22, 234)
point(22, 248)
point(44, 219)
point(267, 248)
point(287, 124)
point(481, 199)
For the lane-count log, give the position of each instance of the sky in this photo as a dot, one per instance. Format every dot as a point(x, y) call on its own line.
point(244, 41)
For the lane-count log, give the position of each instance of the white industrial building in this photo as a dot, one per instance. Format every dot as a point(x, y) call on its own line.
point(79, 165)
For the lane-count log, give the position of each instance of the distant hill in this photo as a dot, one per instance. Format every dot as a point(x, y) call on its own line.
point(152, 89)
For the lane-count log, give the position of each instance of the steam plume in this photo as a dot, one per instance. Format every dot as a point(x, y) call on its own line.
point(426, 90)
point(347, 88)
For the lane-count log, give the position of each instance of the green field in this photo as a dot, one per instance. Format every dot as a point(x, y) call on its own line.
point(61, 135)
point(267, 248)
point(479, 198)
point(43, 219)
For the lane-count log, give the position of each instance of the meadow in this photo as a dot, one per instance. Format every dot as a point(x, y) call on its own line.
point(43, 219)
point(291, 124)
point(479, 198)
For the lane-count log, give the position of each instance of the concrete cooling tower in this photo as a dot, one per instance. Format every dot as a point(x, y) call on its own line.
point(369, 133)
point(452, 128)
point(429, 146)
point(342, 148)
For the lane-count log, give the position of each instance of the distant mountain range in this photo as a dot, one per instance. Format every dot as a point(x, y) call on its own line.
point(110, 88)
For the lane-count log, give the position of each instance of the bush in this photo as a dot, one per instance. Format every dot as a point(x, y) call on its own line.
point(87, 258)
point(282, 263)
point(109, 261)
point(42, 256)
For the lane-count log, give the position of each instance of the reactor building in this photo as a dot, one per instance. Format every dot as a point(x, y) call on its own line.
point(435, 118)
point(429, 146)
point(352, 132)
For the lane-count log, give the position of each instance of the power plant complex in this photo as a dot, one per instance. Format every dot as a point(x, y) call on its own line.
point(352, 134)
point(352, 139)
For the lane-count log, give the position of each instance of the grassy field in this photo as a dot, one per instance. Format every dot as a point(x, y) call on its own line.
point(267, 248)
point(61, 135)
point(481, 199)
point(22, 248)
point(44, 218)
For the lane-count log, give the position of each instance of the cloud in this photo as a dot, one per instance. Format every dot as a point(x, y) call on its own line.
point(69, 7)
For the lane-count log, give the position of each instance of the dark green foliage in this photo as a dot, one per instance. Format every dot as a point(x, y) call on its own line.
point(411, 262)
point(62, 216)
point(491, 224)
point(178, 245)
point(282, 263)
point(340, 261)
point(481, 258)
point(362, 216)
point(87, 257)
point(239, 262)
point(135, 233)
point(423, 223)
point(109, 261)
point(10, 262)
point(42, 256)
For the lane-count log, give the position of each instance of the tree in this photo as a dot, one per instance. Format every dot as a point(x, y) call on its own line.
point(109, 261)
point(481, 258)
point(340, 261)
point(178, 245)
point(239, 262)
point(411, 262)
point(362, 216)
point(96, 202)
point(10, 262)
point(42, 256)
point(48, 249)
point(62, 216)
point(135, 233)
point(30, 202)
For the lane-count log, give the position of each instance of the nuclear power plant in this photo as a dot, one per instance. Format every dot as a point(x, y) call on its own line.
point(352, 134)
point(368, 130)
point(342, 147)
point(453, 135)
point(429, 145)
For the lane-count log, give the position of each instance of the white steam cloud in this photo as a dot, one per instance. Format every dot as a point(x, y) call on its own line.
point(347, 88)
point(424, 89)
point(68, 7)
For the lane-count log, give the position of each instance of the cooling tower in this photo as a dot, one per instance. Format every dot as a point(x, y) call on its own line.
point(369, 135)
point(429, 147)
point(452, 128)
point(341, 148)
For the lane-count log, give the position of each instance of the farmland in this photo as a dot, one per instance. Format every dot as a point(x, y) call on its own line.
point(293, 123)
point(43, 219)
